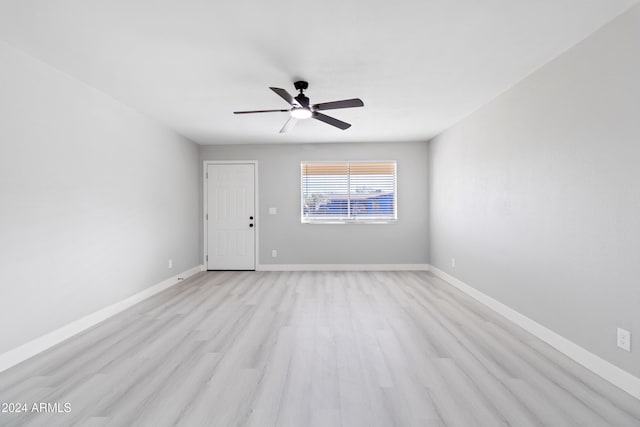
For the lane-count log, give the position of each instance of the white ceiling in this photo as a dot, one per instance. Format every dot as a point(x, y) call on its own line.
point(419, 65)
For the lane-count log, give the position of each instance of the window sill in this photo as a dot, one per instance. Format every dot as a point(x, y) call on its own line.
point(374, 222)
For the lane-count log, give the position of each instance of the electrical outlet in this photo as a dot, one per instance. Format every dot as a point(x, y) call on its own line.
point(624, 339)
point(170, 264)
point(274, 253)
point(453, 262)
point(273, 211)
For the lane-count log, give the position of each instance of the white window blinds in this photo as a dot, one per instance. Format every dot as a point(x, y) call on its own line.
point(348, 191)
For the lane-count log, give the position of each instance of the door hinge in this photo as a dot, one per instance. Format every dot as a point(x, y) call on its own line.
point(207, 173)
point(207, 257)
point(207, 215)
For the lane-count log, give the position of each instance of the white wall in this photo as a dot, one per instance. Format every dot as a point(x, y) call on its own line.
point(537, 195)
point(296, 243)
point(94, 200)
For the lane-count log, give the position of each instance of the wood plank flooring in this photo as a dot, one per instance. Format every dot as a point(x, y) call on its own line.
point(310, 349)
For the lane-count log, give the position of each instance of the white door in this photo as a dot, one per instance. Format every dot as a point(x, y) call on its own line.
point(230, 217)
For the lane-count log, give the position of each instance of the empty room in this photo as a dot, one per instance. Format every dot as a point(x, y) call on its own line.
point(357, 213)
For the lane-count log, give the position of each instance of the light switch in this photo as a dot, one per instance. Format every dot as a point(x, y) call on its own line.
point(273, 211)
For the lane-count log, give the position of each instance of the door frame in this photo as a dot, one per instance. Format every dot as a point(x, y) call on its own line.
point(205, 199)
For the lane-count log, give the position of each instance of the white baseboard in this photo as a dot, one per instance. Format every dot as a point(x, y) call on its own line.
point(342, 267)
point(601, 367)
point(40, 344)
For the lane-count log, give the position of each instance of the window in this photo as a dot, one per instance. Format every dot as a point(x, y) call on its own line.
point(339, 192)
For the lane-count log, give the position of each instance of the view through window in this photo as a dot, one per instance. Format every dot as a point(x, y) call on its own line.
point(348, 191)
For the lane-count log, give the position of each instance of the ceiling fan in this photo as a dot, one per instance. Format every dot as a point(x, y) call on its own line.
point(301, 109)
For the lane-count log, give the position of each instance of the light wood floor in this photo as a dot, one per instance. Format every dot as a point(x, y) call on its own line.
point(311, 349)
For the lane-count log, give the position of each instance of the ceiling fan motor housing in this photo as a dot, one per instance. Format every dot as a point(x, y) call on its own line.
point(302, 100)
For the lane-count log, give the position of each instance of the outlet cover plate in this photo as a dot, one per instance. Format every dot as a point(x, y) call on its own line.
point(624, 339)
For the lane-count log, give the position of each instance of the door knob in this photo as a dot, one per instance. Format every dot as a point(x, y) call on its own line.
point(250, 225)
point(250, 217)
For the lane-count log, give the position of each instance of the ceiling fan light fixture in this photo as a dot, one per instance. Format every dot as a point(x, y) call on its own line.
point(301, 113)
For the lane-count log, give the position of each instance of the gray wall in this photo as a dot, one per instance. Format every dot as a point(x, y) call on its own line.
point(296, 243)
point(537, 195)
point(95, 198)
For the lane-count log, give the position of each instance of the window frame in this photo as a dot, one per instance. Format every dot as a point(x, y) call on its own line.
point(349, 220)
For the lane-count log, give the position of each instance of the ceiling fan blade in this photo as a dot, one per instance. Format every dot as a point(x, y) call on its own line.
point(289, 125)
point(260, 111)
point(331, 121)
point(346, 103)
point(283, 94)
